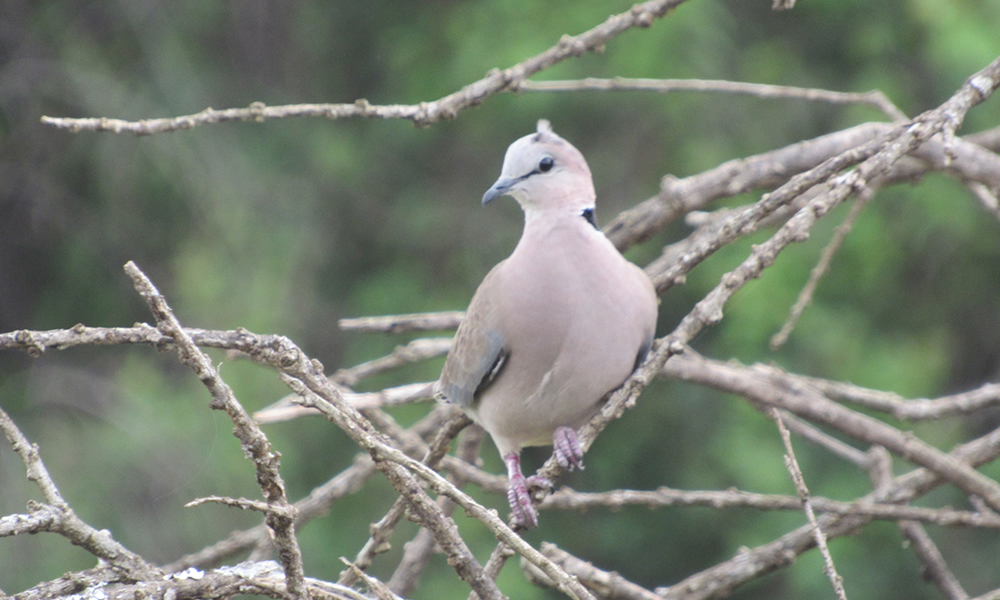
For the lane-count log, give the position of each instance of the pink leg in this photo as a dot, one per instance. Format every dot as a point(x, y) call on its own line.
point(566, 448)
point(517, 493)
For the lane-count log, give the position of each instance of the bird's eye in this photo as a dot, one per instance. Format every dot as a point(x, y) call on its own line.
point(546, 164)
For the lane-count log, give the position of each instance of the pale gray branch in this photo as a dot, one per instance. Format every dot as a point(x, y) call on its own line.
point(800, 487)
point(425, 113)
point(567, 499)
point(873, 98)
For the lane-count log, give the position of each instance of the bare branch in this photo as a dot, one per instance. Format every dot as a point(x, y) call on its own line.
point(417, 552)
point(677, 197)
point(604, 583)
point(875, 159)
point(425, 113)
point(836, 447)
point(416, 351)
point(381, 591)
point(60, 518)
point(806, 295)
point(281, 516)
point(874, 98)
point(385, 527)
point(907, 409)
point(752, 563)
point(306, 379)
point(398, 467)
point(935, 568)
point(568, 499)
point(315, 504)
point(261, 578)
point(240, 503)
point(286, 410)
point(438, 321)
point(800, 487)
point(767, 388)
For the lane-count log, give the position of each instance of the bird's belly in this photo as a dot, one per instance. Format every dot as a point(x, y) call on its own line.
point(573, 335)
point(526, 404)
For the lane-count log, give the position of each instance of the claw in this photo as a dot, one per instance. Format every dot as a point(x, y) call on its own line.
point(517, 493)
point(566, 448)
point(539, 482)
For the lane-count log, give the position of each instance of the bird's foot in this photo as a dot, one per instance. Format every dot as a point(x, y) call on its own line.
point(517, 493)
point(566, 448)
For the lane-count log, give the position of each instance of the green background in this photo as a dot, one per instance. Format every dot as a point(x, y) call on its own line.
point(287, 226)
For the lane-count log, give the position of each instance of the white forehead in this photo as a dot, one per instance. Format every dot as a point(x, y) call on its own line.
point(523, 155)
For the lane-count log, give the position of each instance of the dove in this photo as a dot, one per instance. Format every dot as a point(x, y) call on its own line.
point(555, 327)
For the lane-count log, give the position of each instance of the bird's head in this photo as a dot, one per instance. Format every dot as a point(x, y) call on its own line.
point(542, 171)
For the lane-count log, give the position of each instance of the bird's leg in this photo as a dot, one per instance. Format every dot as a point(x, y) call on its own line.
point(517, 493)
point(566, 448)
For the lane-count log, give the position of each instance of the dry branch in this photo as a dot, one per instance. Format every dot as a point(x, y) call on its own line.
point(754, 562)
point(766, 389)
point(423, 114)
point(873, 98)
point(315, 504)
point(804, 496)
point(810, 180)
point(567, 499)
point(58, 517)
point(280, 514)
point(606, 584)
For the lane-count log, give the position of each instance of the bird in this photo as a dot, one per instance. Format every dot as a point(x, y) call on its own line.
point(555, 327)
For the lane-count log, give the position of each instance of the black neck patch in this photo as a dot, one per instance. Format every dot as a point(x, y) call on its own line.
point(588, 214)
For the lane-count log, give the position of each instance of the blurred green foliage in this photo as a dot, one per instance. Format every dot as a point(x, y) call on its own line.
point(285, 227)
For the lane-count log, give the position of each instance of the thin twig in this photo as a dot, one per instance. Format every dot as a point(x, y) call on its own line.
point(315, 504)
point(991, 595)
point(381, 591)
point(800, 487)
point(874, 98)
point(286, 410)
point(415, 351)
point(806, 294)
point(498, 558)
point(568, 499)
point(812, 434)
point(751, 563)
point(240, 503)
point(381, 531)
point(436, 321)
point(935, 567)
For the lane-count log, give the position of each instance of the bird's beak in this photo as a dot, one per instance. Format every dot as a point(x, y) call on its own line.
point(501, 187)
